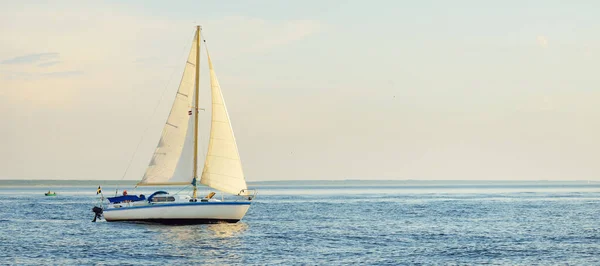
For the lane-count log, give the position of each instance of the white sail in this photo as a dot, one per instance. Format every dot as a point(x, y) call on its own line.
point(185, 167)
point(161, 170)
point(222, 167)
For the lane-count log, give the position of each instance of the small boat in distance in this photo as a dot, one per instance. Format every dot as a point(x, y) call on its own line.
point(50, 193)
point(175, 162)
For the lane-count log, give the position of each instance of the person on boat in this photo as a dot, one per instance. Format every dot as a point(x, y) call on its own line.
point(125, 194)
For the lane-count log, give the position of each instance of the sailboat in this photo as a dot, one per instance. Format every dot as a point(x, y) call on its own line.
point(171, 164)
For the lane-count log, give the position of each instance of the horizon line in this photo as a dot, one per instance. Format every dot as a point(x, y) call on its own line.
point(296, 180)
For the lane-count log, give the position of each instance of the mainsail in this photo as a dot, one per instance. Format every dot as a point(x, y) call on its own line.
point(161, 170)
point(222, 167)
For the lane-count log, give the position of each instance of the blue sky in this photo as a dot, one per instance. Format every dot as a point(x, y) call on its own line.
point(315, 89)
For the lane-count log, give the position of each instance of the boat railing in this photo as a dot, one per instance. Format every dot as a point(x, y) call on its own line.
point(247, 194)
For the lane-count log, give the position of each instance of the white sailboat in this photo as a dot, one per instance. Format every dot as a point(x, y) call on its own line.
point(171, 163)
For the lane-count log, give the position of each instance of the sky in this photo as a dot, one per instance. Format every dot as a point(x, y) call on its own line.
point(425, 90)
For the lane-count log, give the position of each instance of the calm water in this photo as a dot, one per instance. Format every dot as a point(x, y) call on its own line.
point(463, 223)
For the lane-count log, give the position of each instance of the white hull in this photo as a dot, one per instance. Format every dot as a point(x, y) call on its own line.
point(180, 213)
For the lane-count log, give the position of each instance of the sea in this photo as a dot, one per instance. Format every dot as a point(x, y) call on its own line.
point(346, 222)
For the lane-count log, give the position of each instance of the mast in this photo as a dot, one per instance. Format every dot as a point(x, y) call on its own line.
point(197, 89)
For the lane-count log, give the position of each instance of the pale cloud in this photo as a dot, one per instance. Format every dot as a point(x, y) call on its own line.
point(236, 35)
point(47, 64)
point(123, 47)
point(587, 50)
point(536, 104)
point(547, 103)
point(542, 41)
point(34, 80)
point(566, 101)
point(30, 58)
point(46, 90)
point(41, 75)
point(291, 31)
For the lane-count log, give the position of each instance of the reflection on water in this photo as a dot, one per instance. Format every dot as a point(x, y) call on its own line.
point(227, 229)
point(179, 234)
point(214, 243)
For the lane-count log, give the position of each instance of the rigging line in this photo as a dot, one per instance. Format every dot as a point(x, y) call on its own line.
point(204, 41)
point(148, 124)
point(182, 189)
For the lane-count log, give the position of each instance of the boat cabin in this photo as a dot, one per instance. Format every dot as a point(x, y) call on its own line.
point(158, 197)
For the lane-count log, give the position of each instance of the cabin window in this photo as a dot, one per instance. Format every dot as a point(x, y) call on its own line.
point(163, 199)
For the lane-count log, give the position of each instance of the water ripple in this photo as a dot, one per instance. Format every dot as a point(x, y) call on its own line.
point(493, 226)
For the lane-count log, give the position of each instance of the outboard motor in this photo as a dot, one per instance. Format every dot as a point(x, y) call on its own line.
point(98, 213)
